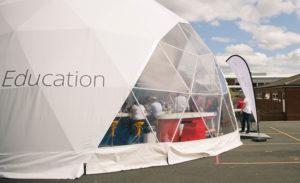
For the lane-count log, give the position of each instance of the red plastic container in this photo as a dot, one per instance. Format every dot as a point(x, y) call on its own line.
point(194, 129)
point(166, 129)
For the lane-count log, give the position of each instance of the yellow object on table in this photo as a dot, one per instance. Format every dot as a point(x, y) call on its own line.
point(113, 130)
point(138, 126)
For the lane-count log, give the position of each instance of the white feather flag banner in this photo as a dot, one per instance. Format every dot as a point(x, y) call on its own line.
point(241, 69)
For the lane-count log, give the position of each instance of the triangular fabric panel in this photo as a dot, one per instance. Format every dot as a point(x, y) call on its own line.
point(209, 106)
point(222, 80)
point(21, 102)
point(83, 72)
point(160, 74)
point(176, 38)
point(65, 18)
point(195, 43)
point(139, 47)
point(17, 12)
point(206, 80)
point(36, 132)
point(227, 120)
point(184, 63)
point(5, 27)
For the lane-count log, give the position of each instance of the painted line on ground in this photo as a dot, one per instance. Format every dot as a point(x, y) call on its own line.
point(260, 163)
point(275, 133)
point(279, 143)
point(286, 134)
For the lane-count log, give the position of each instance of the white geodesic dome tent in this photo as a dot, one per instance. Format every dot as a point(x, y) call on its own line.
point(71, 71)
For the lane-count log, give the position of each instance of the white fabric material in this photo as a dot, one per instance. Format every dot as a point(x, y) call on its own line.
point(144, 155)
point(186, 151)
point(67, 66)
point(46, 165)
point(46, 40)
point(240, 68)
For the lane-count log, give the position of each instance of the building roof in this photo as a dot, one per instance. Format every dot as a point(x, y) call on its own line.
point(255, 75)
point(291, 81)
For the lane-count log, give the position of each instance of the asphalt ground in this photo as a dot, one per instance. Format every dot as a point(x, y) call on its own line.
point(274, 161)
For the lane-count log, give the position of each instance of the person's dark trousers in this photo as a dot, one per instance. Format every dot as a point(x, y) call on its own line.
point(245, 119)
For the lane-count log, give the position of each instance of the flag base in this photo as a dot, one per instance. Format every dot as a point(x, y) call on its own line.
point(259, 139)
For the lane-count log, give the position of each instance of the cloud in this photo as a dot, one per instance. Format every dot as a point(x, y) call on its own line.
point(239, 49)
point(250, 15)
point(243, 10)
point(297, 7)
point(222, 39)
point(293, 56)
point(253, 58)
point(284, 64)
point(208, 11)
point(270, 37)
point(215, 23)
point(267, 8)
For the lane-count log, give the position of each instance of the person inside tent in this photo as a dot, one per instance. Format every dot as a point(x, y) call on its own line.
point(200, 103)
point(155, 110)
point(138, 113)
point(181, 104)
point(246, 112)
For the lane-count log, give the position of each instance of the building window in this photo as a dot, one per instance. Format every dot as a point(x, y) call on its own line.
point(259, 96)
point(267, 96)
point(275, 96)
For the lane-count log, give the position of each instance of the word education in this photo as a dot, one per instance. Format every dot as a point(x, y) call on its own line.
point(12, 78)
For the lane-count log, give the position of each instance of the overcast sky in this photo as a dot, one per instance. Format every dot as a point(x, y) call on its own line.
point(265, 32)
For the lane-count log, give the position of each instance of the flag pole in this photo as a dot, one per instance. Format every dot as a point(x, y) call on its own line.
point(259, 138)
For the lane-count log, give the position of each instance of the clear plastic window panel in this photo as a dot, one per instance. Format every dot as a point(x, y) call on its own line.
point(130, 125)
point(227, 120)
point(178, 97)
point(161, 74)
point(206, 79)
point(194, 43)
point(183, 37)
point(164, 112)
point(222, 80)
point(184, 63)
point(176, 38)
point(209, 108)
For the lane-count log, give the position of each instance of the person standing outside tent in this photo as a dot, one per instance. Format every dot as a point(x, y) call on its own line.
point(240, 105)
point(246, 112)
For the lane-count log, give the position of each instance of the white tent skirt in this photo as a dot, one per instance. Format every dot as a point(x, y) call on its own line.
point(111, 159)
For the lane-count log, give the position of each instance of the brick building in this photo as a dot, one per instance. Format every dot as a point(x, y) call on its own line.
point(279, 100)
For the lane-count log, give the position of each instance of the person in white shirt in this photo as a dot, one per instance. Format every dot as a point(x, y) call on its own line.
point(154, 110)
point(155, 107)
point(246, 112)
point(138, 112)
point(181, 104)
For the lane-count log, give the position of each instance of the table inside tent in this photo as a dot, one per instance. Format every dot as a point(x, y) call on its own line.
point(192, 126)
